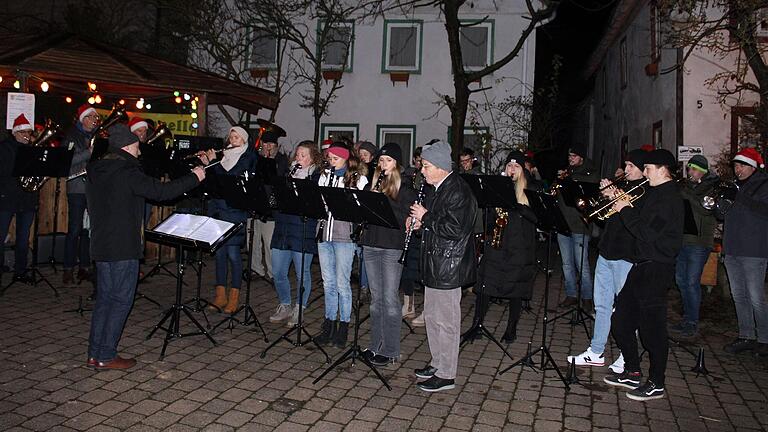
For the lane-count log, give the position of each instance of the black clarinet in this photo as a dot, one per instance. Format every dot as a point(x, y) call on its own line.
point(321, 225)
point(357, 234)
point(409, 231)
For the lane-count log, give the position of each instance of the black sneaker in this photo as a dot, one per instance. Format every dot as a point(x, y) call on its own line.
point(647, 391)
point(380, 360)
point(368, 355)
point(630, 380)
point(740, 345)
point(761, 350)
point(426, 372)
point(435, 384)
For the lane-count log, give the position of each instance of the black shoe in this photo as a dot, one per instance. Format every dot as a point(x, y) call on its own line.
point(368, 355)
point(380, 360)
point(630, 380)
point(328, 330)
point(568, 302)
point(509, 337)
point(426, 372)
point(647, 391)
point(435, 384)
point(740, 345)
point(340, 337)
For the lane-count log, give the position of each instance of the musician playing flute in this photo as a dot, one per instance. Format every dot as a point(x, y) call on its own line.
point(447, 262)
point(382, 248)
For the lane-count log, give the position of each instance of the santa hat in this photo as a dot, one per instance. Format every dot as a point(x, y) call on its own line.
point(136, 123)
point(326, 144)
point(21, 124)
point(85, 110)
point(647, 148)
point(750, 157)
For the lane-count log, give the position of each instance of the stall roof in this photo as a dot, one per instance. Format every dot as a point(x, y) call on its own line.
point(68, 58)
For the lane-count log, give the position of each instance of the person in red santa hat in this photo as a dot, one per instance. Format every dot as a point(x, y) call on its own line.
point(15, 201)
point(139, 127)
point(745, 246)
point(76, 244)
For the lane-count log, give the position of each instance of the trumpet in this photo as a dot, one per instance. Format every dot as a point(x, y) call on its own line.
point(590, 203)
point(721, 197)
point(605, 209)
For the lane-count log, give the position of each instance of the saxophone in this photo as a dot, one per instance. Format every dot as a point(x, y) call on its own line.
point(502, 219)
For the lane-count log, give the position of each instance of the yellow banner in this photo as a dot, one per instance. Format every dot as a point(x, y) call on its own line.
point(179, 124)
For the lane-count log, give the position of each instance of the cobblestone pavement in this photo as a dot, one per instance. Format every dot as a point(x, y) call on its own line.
point(44, 384)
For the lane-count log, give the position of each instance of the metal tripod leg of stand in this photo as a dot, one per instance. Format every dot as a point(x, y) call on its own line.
point(80, 309)
point(474, 332)
point(37, 277)
point(579, 316)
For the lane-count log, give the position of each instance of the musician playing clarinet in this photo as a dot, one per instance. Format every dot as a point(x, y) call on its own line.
point(382, 248)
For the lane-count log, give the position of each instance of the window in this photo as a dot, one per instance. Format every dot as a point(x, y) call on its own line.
point(335, 131)
point(338, 47)
point(476, 44)
point(263, 50)
point(655, 27)
point(762, 24)
point(657, 135)
point(404, 136)
point(402, 46)
point(744, 129)
point(623, 63)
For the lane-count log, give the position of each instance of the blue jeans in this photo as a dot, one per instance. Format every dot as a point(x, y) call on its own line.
point(610, 276)
point(116, 281)
point(231, 254)
point(747, 278)
point(336, 268)
point(690, 264)
point(24, 221)
point(572, 255)
point(281, 262)
point(386, 310)
point(77, 237)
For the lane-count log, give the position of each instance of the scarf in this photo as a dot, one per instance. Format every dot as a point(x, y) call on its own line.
point(231, 157)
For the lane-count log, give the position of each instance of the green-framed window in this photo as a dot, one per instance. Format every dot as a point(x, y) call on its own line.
point(262, 51)
point(402, 46)
point(402, 135)
point(338, 53)
point(335, 131)
point(476, 41)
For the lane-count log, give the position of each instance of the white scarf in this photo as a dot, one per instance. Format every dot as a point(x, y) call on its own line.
point(231, 156)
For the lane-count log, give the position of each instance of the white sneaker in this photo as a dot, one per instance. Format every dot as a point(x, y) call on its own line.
point(587, 358)
point(295, 315)
point(618, 365)
point(418, 321)
point(282, 313)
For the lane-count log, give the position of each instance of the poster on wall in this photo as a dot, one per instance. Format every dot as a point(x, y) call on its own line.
point(685, 153)
point(20, 103)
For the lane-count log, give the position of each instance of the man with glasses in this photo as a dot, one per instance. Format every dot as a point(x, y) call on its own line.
point(76, 244)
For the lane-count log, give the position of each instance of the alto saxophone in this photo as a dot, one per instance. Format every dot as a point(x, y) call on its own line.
point(502, 219)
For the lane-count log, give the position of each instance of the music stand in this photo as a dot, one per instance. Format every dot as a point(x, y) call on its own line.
point(490, 192)
point(300, 197)
point(39, 162)
point(245, 193)
point(187, 231)
point(550, 220)
point(360, 207)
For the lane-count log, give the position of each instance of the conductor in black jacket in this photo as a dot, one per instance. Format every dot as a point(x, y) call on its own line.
point(116, 189)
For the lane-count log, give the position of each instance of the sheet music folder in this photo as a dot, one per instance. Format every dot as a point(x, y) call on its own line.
point(193, 231)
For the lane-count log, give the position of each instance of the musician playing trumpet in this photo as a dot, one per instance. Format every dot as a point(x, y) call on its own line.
point(14, 200)
point(382, 248)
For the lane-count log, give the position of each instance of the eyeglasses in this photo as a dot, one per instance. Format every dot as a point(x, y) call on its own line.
point(92, 116)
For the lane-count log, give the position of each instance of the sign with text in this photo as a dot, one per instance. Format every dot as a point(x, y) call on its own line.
point(180, 124)
point(20, 103)
point(685, 153)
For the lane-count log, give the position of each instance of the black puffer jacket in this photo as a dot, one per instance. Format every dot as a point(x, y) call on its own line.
point(12, 196)
point(447, 243)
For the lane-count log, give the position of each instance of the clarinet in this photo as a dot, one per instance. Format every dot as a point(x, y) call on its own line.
point(321, 225)
point(409, 231)
point(357, 234)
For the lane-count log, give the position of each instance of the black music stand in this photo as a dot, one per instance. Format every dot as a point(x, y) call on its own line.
point(300, 197)
point(184, 231)
point(575, 192)
point(490, 192)
point(550, 220)
point(360, 207)
point(245, 193)
point(39, 162)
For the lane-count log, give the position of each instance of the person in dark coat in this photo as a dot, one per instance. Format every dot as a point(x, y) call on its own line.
point(238, 159)
point(508, 266)
point(116, 190)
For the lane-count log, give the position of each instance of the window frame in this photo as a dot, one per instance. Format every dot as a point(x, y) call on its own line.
point(655, 32)
point(657, 134)
point(344, 127)
point(482, 22)
point(402, 23)
point(623, 63)
point(350, 48)
point(383, 128)
point(264, 66)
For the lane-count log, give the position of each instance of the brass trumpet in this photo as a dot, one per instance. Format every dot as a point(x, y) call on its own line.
point(605, 209)
point(585, 204)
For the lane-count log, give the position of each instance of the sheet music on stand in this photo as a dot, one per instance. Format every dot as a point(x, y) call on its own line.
point(194, 230)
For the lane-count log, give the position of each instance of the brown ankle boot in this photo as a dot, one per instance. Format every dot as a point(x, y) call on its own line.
point(233, 301)
point(220, 300)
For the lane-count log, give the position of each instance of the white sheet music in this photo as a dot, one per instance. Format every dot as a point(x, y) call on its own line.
point(194, 227)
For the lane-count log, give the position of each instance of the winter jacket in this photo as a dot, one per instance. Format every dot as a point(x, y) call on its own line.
point(583, 173)
point(289, 229)
point(705, 219)
point(447, 243)
point(12, 196)
point(392, 238)
point(218, 208)
point(335, 230)
point(616, 242)
point(116, 189)
point(656, 223)
point(79, 140)
point(746, 223)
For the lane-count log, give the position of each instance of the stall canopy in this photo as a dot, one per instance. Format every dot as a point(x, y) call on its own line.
point(67, 61)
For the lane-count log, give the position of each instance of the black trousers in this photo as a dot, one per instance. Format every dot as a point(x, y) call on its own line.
point(515, 308)
point(642, 305)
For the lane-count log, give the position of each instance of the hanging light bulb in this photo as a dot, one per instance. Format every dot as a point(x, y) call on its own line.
point(194, 125)
point(121, 101)
point(187, 96)
point(44, 86)
point(197, 98)
point(1, 78)
point(178, 99)
point(140, 103)
point(176, 93)
point(17, 84)
point(97, 98)
point(148, 106)
point(68, 99)
point(193, 115)
point(91, 86)
point(91, 100)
